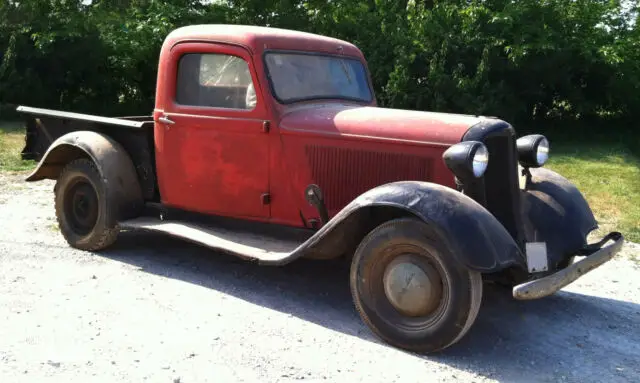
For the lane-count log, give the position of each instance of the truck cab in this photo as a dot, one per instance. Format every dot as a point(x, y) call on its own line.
point(268, 144)
point(247, 117)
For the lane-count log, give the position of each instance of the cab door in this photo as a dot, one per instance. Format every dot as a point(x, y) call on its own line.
point(211, 149)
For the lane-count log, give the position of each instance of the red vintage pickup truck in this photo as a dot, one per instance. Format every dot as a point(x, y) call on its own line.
point(268, 144)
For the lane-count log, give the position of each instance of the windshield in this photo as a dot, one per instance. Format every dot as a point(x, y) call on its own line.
point(299, 76)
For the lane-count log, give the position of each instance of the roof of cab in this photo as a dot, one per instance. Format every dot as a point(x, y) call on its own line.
point(258, 38)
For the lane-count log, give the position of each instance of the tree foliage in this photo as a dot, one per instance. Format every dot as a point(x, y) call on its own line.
point(522, 60)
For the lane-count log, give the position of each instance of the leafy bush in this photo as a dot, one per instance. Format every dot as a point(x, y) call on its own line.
point(563, 63)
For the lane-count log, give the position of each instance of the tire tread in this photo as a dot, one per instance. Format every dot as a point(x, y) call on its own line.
point(475, 293)
point(108, 235)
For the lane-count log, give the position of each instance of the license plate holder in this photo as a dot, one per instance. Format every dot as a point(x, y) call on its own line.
point(537, 260)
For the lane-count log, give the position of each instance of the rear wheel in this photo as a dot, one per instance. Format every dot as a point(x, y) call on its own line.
point(410, 290)
point(82, 207)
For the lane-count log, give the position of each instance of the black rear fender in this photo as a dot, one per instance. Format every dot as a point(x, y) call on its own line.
point(114, 164)
point(134, 134)
point(478, 239)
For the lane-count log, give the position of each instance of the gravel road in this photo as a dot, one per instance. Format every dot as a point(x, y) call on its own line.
point(157, 309)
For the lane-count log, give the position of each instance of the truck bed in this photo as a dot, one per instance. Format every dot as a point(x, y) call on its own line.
point(134, 133)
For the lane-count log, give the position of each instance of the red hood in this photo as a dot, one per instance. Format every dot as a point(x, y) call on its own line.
point(383, 123)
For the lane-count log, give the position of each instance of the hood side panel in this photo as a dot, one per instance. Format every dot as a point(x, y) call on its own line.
point(344, 169)
point(345, 173)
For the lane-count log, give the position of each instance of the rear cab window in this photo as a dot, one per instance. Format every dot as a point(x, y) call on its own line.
point(215, 80)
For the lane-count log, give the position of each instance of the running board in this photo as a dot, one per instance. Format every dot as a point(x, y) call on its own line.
point(248, 245)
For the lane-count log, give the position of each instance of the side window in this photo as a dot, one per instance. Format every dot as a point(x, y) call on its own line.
point(214, 80)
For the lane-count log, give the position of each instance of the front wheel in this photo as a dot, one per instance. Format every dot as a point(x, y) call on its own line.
point(85, 213)
point(410, 290)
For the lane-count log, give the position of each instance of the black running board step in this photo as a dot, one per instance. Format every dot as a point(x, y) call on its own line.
point(248, 245)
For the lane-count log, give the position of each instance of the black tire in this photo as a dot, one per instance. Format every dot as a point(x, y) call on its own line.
point(84, 212)
point(455, 304)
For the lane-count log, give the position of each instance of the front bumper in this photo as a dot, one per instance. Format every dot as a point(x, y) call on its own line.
point(595, 255)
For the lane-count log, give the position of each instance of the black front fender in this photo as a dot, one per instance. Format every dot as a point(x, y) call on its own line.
point(479, 240)
point(555, 212)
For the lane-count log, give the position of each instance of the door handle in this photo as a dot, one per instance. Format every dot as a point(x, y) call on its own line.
point(165, 120)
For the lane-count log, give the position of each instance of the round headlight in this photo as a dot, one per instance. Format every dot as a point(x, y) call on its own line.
point(480, 161)
point(467, 159)
point(542, 153)
point(533, 150)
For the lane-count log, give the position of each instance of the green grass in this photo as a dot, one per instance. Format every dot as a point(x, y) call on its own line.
point(608, 174)
point(11, 144)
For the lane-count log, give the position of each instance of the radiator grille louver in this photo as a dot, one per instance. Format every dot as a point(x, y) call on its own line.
point(344, 173)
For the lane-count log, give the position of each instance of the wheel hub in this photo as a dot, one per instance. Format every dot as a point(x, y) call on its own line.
point(82, 207)
point(412, 286)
